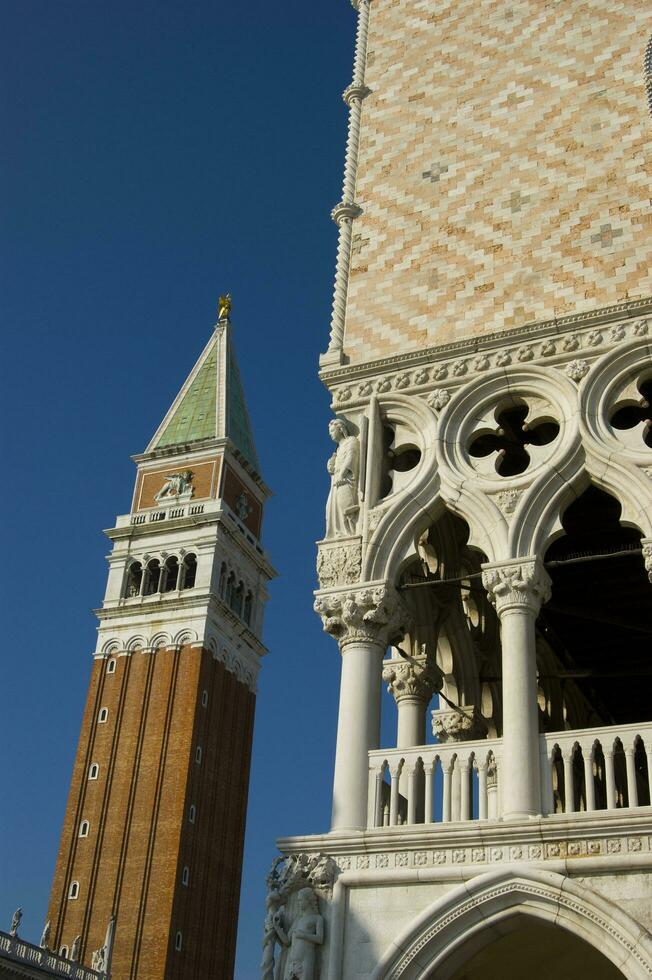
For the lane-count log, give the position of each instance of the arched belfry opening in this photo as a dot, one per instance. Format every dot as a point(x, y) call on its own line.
point(531, 949)
point(598, 621)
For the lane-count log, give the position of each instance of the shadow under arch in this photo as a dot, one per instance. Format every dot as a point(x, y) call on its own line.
point(599, 606)
point(475, 913)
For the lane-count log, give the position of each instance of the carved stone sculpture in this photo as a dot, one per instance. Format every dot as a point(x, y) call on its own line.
point(376, 615)
point(45, 936)
point(413, 678)
point(458, 725)
point(273, 921)
point(302, 938)
point(342, 507)
point(178, 485)
point(15, 922)
point(74, 952)
point(339, 565)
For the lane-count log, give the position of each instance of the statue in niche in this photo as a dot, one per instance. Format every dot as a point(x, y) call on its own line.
point(342, 507)
point(45, 936)
point(176, 485)
point(15, 922)
point(242, 507)
point(302, 938)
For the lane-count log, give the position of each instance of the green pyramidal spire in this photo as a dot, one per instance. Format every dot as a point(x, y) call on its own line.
point(211, 403)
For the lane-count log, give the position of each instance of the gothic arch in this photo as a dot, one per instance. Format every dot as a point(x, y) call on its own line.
point(465, 916)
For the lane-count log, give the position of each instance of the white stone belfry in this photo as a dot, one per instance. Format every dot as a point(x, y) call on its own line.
point(490, 511)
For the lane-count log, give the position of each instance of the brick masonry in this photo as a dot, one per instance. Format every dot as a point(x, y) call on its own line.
point(140, 835)
point(505, 168)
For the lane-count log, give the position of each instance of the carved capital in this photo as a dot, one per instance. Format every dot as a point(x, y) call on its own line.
point(647, 556)
point(521, 583)
point(458, 725)
point(355, 93)
point(339, 564)
point(292, 872)
point(345, 211)
point(413, 678)
point(375, 615)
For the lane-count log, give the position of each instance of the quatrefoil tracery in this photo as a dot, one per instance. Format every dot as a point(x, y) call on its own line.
point(632, 415)
point(517, 441)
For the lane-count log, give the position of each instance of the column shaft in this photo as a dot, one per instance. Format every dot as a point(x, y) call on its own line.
point(358, 731)
point(521, 789)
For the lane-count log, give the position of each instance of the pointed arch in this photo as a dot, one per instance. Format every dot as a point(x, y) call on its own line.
point(464, 917)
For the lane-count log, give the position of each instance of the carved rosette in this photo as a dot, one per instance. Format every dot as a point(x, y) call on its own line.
point(520, 584)
point(458, 725)
point(339, 564)
point(414, 678)
point(375, 615)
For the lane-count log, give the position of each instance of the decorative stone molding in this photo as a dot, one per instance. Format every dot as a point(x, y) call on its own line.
point(413, 678)
point(465, 724)
point(348, 210)
point(521, 584)
point(577, 370)
point(339, 563)
point(439, 362)
point(374, 615)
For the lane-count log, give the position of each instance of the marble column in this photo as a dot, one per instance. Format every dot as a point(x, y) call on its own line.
point(363, 622)
point(412, 683)
point(517, 588)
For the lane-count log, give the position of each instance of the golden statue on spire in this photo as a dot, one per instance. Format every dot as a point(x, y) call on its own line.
point(224, 304)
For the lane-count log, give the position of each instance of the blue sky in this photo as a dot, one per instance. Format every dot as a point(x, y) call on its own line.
point(156, 154)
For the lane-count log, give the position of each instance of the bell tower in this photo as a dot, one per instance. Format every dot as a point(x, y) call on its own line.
point(153, 833)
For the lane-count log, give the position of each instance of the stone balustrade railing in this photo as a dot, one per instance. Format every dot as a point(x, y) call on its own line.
point(596, 768)
point(434, 783)
point(581, 771)
point(17, 950)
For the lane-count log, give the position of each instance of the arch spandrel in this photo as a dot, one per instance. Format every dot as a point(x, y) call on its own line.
point(460, 919)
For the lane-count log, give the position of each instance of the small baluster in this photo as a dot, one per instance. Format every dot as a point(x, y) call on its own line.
point(412, 796)
point(378, 819)
point(446, 802)
point(393, 800)
point(632, 789)
point(569, 785)
point(483, 801)
point(429, 791)
point(609, 779)
point(386, 815)
point(589, 781)
point(465, 809)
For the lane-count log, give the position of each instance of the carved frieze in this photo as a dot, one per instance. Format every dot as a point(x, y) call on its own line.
point(339, 564)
